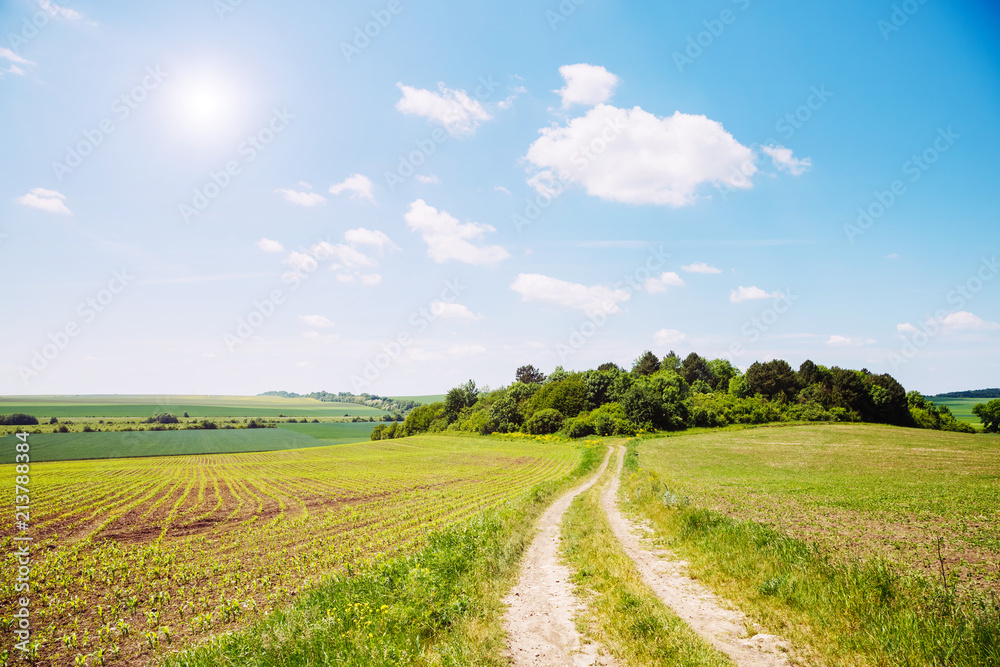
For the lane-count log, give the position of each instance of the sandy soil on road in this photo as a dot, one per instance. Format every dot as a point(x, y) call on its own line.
point(725, 629)
point(541, 607)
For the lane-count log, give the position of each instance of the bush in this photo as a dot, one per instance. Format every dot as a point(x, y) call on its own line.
point(18, 419)
point(579, 427)
point(610, 419)
point(544, 422)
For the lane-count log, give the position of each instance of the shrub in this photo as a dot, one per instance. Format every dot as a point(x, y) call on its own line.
point(18, 419)
point(544, 422)
point(610, 419)
point(579, 427)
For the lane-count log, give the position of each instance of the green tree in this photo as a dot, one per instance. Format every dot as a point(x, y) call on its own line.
point(544, 422)
point(724, 371)
point(657, 401)
point(647, 364)
point(671, 362)
point(774, 380)
point(989, 415)
point(695, 368)
point(459, 398)
point(528, 374)
point(505, 413)
point(568, 396)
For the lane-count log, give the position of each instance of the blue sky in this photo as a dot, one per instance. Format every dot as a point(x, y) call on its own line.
point(222, 197)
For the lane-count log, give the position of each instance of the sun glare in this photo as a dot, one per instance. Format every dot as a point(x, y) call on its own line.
point(206, 106)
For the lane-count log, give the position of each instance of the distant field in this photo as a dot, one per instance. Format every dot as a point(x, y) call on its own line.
point(962, 408)
point(334, 433)
point(429, 398)
point(196, 406)
point(125, 444)
point(858, 490)
point(206, 544)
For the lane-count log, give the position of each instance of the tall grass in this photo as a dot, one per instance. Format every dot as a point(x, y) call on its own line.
point(439, 606)
point(849, 613)
point(624, 614)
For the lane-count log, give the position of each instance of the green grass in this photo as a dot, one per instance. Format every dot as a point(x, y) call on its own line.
point(69, 407)
point(125, 444)
point(425, 399)
point(334, 433)
point(623, 614)
point(439, 606)
point(962, 408)
point(827, 535)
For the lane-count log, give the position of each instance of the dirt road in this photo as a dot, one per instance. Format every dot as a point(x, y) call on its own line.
point(541, 607)
point(724, 629)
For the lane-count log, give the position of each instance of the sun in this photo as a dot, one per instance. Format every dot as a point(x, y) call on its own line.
point(206, 106)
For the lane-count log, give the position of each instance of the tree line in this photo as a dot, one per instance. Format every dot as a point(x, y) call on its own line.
point(371, 400)
point(672, 394)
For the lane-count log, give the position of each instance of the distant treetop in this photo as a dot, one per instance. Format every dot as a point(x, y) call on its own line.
point(974, 393)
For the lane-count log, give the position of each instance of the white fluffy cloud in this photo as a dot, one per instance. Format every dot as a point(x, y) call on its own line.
point(661, 282)
point(635, 157)
point(317, 321)
point(961, 320)
point(344, 256)
point(586, 84)
point(301, 261)
point(447, 238)
point(453, 311)
point(370, 237)
point(352, 261)
point(964, 320)
point(58, 11)
point(845, 341)
point(267, 245)
point(459, 113)
point(307, 199)
point(700, 267)
point(590, 299)
point(428, 180)
point(45, 200)
point(783, 159)
point(359, 185)
point(749, 293)
point(665, 337)
point(15, 60)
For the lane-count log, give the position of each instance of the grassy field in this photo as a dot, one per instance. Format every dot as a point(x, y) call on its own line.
point(962, 408)
point(134, 557)
point(425, 399)
point(830, 534)
point(119, 444)
point(197, 406)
